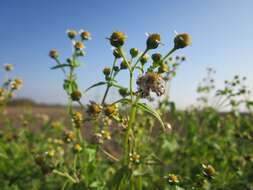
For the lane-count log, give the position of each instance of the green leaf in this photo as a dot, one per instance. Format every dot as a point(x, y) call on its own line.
point(149, 110)
point(60, 66)
point(117, 86)
point(91, 154)
point(70, 86)
point(95, 85)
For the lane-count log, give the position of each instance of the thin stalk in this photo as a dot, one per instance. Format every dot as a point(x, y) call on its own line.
point(168, 54)
point(63, 174)
point(64, 185)
point(127, 147)
point(109, 155)
point(138, 60)
point(108, 84)
point(59, 63)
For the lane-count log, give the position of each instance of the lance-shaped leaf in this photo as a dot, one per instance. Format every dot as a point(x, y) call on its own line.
point(95, 85)
point(117, 86)
point(149, 110)
point(60, 66)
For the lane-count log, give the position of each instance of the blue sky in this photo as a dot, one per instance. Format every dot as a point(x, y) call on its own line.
point(221, 33)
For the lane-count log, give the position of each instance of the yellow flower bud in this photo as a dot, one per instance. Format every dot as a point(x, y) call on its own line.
point(77, 119)
point(182, 40)
point(53, 54)
point(134, 52)
point(94, 108)
point(107, 71)
point(163, 68)
point(85, 35)
point(116, 53)
point(111, 109)
point(134, 157)
point(117, 39)
point(16, 84)
point(124, 65)
point(79, 45)
point(106, 134)
point(71, 34)
point(156, 57)
point(8, 67)
point(173, 179)
point(77, 148)
point(76, 95)
point(144, 59)
point(69, 136)
point(153, 41)
point(208, 171)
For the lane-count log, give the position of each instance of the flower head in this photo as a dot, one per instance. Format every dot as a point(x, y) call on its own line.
point(71, 34)
point(76, 95)
point(134, 52)
point(107, 71)
point(50, 153)
point(116, 53)
point(156, 57)
point(208, 171)
point(182, 40)
point(77, 148)
point(85, 35)
point(94, 108)
point(69, 136)
point(110, 109)
point(16, 84)
point(124, 64)
point(53, 54)
point(56, 125)
point(79, 45)
point(106, 135)
point(163, 68)
point(153, 41)
point(144, 59)
point(173, 179)
point(117, 39)
point(134, 157)
point(8, 67)
point(151, 81)
point(77, 119)
point(2, 91)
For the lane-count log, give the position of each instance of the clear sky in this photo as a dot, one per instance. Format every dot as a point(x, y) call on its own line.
point(221, 30)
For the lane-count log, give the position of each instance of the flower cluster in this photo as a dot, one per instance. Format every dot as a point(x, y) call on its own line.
point(150, 82)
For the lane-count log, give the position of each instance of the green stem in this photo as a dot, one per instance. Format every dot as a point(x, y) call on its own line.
point(127, 146)
point(168, 54)
point(65, 175)
point(108, 84)
point(64, 185)
point(138, 60)
point(59, 63)
point(131, 85)
point(109, 155)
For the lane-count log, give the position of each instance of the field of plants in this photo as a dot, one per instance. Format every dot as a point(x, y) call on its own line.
point(138, 142)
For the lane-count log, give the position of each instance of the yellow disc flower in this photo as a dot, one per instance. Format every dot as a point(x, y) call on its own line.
point(71, 34)
point(85, 35)
point(94, 108)
point(77, 148)
point(173, 179)
point(79, 45)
